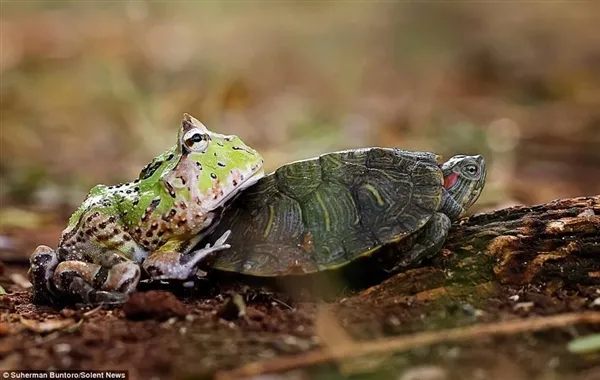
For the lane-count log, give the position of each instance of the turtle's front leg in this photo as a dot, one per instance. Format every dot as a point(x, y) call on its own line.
point(429, 241)
point(168, 263)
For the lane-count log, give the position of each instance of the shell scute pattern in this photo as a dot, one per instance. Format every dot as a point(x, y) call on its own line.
point(348, 203)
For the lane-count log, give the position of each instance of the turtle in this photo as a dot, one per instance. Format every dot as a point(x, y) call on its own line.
point(322, 213)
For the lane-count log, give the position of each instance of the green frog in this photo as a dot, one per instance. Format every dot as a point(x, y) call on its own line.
point(150, 224)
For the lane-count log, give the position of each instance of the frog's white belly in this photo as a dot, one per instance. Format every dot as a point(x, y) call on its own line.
point(139, 253)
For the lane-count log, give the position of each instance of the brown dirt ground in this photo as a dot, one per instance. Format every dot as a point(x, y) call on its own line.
point(158, 335)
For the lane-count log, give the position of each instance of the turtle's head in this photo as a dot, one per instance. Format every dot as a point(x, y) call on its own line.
point(464, 178)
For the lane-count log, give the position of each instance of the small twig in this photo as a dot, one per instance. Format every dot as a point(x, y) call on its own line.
point(407, 342)
point(282, 303)
point(91, 312)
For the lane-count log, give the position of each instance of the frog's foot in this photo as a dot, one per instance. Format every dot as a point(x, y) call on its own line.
point(94, 284)
point(42, 264)
point(172, 265)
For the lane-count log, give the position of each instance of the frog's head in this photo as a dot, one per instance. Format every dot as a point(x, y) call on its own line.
point(212, 166)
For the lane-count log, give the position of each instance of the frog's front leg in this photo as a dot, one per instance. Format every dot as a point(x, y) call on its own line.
point(168, 263)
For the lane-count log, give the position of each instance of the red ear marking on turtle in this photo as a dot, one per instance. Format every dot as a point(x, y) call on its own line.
point(450, 180)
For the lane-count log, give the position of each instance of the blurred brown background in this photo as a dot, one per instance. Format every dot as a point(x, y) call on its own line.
point(91, 91)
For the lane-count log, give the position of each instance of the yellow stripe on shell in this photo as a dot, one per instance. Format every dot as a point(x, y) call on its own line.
point(375, 193)
point(325, 211)
point(270, 221)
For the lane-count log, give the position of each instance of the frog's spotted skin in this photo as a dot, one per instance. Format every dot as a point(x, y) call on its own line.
point(153, 221)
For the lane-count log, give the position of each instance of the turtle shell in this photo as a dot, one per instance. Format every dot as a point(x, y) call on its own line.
point(324, 212)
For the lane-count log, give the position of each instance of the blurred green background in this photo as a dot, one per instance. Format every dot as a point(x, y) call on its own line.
point(92, 90)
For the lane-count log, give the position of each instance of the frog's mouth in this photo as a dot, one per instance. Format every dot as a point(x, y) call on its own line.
point(244, 184)
point(252, 179)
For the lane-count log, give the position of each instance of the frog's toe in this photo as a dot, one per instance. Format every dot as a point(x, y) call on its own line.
point(43, 263)
point(221, 241)
point(90, 295)
point(109, 298)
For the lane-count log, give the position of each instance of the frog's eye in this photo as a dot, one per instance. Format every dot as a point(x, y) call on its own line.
point(196, 141)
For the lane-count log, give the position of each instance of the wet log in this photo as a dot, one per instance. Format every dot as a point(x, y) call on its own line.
point(545, 248)
point(553, 242)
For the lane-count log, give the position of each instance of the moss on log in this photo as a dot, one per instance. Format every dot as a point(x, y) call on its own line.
point(556, 241)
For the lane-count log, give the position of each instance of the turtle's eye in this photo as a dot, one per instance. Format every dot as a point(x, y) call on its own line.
point(471, 170)
point(196, 141)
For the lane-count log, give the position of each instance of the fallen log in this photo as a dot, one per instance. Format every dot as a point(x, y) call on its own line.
point(555, 241)
point(548, 246)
